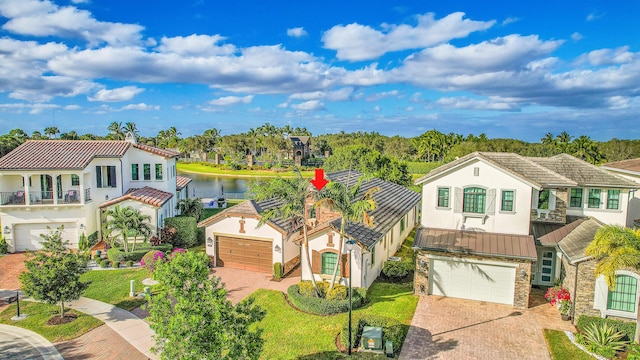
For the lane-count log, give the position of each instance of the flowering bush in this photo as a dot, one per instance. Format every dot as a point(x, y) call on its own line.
point(176, 252)
point(557, 294)
point(150, 259)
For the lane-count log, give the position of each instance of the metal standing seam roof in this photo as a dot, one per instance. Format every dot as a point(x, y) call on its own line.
point(182, 181)
point(574, 243)
point(146, 195)
point(478, 243)
point(557, 171)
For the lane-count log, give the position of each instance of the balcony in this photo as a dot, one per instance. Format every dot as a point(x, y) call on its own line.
point(66, 197)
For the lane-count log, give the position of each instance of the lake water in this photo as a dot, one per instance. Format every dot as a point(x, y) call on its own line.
point(210, 186)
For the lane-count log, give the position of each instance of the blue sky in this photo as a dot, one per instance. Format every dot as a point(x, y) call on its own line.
point(503, 68)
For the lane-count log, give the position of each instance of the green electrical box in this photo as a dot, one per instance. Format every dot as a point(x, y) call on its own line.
point(371, 338)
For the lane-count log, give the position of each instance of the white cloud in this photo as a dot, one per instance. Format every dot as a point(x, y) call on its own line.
point(377, 108)
point(33, 109)
point(510, 20)
point(125, 93)
point(283, 105)
point(196, 45)
point(594, 16)
point(141, 106)
point(296, 32)
point(576, 36)
point(231, 100)
point(382, 95)
point(355, 42)
point(600, 57)
point(44, 18)
point(476, 104)
point(341, 94)
point(311, 105)
point(80, 1)
point(72, 107)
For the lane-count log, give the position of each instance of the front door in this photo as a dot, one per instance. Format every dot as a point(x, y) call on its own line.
point(545, 267)
point(46, 186)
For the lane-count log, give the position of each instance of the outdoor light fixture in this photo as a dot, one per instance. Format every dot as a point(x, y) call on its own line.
point(349, 244)
point(106, 197)
point(523, 273)
point(81, 226)
point(209, 242)
point(7, 230)
point(277, 248)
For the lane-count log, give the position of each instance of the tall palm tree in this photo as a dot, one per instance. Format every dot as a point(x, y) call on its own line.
point(351, 204)
point(563, 140)
point(548, 139)
point(124, 221)
point(293, 194)
point(51, 131)
point(190, 207)
point(116, 130)
point(140, 226)
point(616, 248)
point(131, 128)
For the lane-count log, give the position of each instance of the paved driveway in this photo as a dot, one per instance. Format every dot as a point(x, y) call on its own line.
point(11, 265)
point(241, 283)
point(449, 328)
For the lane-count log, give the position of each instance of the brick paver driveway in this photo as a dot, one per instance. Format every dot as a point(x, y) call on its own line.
point(11, 265)
point(449, 328)
point(241, 283)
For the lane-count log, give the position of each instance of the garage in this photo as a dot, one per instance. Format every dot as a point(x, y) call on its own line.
point(27, 236)
point(246, 254)
point(474, 280)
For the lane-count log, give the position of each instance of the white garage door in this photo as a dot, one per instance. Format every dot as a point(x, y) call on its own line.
point(27, 236)
point(473, 280)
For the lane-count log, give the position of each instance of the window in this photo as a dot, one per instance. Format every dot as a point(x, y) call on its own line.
point(135, 172)
point(575, 199)
point(105, 176)
point(329, 262)
point(147, 171)
point(613, 199)
point(75, 180)
point(543, 199)
point(474, 200)
point(402, 225)
point(373, 256)
point(594, 198)
point(443, 197)
point(158, 171)
point(623, 298)
point(507, 200)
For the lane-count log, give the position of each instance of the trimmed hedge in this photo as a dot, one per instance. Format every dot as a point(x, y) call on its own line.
point(186, 230)
point(115, 255)
point(628, 328)
point(396, 269)
point(322, 306)
point(105, 263)
point(137, 255)
point(392, 329)
point(129, 263)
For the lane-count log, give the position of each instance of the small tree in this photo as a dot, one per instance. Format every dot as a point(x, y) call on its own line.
point(190, 207)
point(193, 319)
point(54, 274)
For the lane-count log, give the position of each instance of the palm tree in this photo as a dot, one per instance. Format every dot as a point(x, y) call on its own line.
point(190, 207)
point(116, 130)
point(132, 129)
point(293, 194)
point(125, 221)
point(51, 131)
point(139, 226)
point(548, 139)
point(351, 204)
point(616, 248)
point(563, 140)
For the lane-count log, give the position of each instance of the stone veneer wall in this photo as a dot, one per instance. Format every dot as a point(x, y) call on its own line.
point(522, 286)
point(559, 215)
point(582, 295)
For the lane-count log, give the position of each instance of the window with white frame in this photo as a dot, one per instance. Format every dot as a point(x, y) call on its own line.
point(508, 197)
point(105, 176)
point(158, 171)
point(613, 199)
point(575, 198)
point(594, 198)
point(443, 197)
point(474, 200)
point(543, 199)
point(623, 297)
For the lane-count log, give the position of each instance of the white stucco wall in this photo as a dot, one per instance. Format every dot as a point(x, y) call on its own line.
point(633, 205)
point(614, 217)
point(489, 177)
point(319, 243)
point(140, 157)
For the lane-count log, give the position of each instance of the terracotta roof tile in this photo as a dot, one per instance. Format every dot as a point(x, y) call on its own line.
point(60, 154)
point(146, 195)
point(480, 243)
point(182, 181)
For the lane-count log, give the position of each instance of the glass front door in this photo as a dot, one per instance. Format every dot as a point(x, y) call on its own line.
point(545, 267)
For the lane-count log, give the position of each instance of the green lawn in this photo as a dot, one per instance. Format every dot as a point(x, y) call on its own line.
point(560, 347)
point(291, 334)
point(112, 286)
point(39, 313)
point(206, 169)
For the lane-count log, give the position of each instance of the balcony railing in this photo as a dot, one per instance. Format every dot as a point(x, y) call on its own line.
point(44, 197)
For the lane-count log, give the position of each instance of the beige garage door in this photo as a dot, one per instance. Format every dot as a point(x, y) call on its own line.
point(473, 280)
point(27, 236)
point(247, 254)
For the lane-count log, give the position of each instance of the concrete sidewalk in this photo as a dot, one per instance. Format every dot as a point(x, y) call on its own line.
point(133, 329)
point(19, 343)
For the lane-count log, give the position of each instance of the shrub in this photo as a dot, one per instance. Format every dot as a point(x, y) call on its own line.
point(186, 231)
point(277, 270)
point(142, 249)
point(115, 264)
point(150, 259)
point(115, 255)
point(93, 239)
point(321, 306)
point(338, 292)
point(392, 330)
point(396, 269)
point(306, 288)
point(603, 339)
point(625, 327)
point(105, 263)
point(129, 263)
point(4, 248)
point(633, 352)
point(83, 243)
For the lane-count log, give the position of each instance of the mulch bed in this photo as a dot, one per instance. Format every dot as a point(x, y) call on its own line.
point(57, 320)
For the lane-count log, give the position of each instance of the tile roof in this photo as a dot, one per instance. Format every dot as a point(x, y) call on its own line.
point(182, 181)
point(249, 208)
point(61, 154)
point(630, 165)
point(555, 236)
point(479, 243)
point(157, 151)
point(302, 139)
point(575, 242)
point(557, 171)
point(540, 229)
point(146, 195)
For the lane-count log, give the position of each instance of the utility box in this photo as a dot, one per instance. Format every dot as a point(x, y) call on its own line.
point(371, 338)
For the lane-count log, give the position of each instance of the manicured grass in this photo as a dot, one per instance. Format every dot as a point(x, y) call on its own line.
point(205, 169)
point(112, 286)
point(560, 347)
point(39, 313)
point(291, 334)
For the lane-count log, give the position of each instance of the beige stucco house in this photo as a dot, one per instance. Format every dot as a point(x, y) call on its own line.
point(48, 183)
point(485, 217)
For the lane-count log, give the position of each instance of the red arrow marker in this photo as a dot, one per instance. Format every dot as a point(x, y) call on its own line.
point(319, 182)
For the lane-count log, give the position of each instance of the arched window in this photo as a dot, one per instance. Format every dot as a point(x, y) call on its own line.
point(329, 262)
point(474, 200)
point(623, 297)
